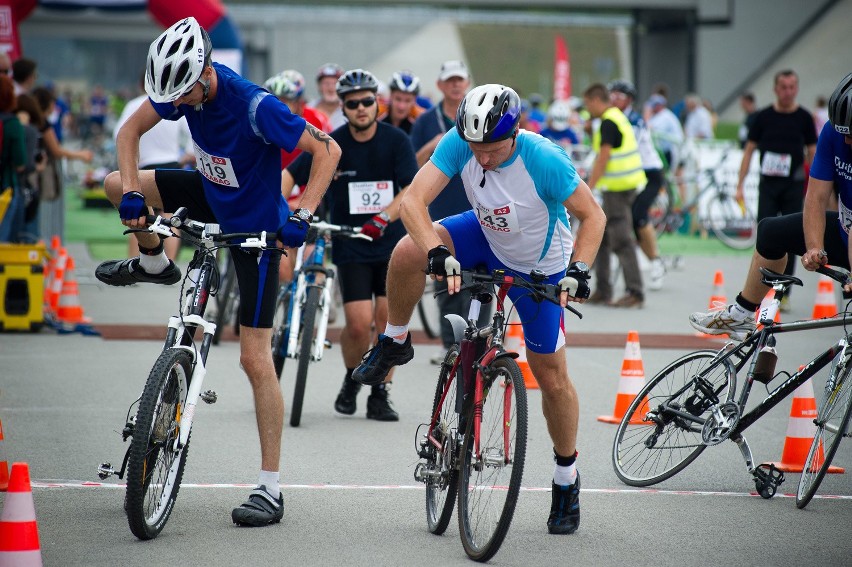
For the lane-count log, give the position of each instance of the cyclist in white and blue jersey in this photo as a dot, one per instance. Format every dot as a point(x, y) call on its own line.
point(521, 187)
point(820, 235)
point(239, 130)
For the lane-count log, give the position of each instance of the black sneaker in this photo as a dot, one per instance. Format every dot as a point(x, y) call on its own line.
point(565, 508)
point(345, 402)
point(261, 509)
point(378, 404)
point(128, 272)
point(378, 361)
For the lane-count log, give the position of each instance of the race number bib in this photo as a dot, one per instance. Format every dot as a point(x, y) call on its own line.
point(845, 216)
point(369, 197)
point(216, 169)
point(776, 165)
point(501, 219)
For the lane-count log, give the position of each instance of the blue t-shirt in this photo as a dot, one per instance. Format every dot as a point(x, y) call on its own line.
point(238, 139)
point(833, 162)
point(560, 135)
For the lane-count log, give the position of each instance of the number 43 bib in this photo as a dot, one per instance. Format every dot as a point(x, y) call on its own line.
point(500, 219)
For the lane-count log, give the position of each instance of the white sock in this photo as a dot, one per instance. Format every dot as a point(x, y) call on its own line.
point(563, 476)
point(397, 333)
point(738, 312)
point(154, 264)
point(271, 481)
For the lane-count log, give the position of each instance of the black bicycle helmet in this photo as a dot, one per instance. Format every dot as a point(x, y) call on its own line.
point(356, 80)
point(489, 113)
point(840, 107)
point(622, 86)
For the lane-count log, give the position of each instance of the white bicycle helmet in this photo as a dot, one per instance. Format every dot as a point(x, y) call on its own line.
point(489, 113)
point(289, 84)
point(559, 113)
point(840, 106)
point(176, 60)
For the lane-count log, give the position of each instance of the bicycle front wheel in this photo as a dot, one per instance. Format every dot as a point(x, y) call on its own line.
point(732, 223)
point(429, 312)
point(227, 298)
point(280, 330)
point(154, 466)
point(306, 344)
point(653, 442)
point(441, 464)
point(490, 481)
point(658, 213)
point(832, 424)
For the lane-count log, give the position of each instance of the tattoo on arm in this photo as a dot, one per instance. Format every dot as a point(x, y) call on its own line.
point(318, 135)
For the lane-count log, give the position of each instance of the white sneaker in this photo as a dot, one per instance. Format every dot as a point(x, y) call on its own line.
point(723, 321)
point(656, 275)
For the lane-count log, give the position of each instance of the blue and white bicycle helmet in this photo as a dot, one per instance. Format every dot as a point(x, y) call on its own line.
point(840, 106)
point(289, 84)
point(176, 60)
point(405, 81)
point(489, 113)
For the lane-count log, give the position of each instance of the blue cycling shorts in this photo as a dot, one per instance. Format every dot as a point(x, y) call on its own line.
point(544, 322)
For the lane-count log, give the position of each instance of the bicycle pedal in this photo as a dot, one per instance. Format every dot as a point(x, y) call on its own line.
point(105, 471)
point(209, 397)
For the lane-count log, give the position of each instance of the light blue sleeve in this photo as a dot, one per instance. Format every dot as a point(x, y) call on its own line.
point(551, 169)
point(451, 154)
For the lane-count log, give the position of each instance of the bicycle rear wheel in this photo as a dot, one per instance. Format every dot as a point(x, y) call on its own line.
point(429, 312)
point(442, 484)
point(832, 425)
point(489, 483)
point(306, 343)
point(653, 443)
point(658, 213)
point(280, 330)
point(732, 224)
point(154, 468)
point(227, 298)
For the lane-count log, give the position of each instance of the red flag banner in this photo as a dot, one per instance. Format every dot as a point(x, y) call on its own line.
point(11, 13)
point(561, 71)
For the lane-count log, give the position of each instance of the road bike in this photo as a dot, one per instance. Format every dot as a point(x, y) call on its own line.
point(474, 445)
point(161, 427)
point(717, 209)
point(300, 322)
point(692, 404)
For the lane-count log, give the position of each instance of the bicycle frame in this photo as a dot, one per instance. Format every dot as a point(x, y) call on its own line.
point(306, 276)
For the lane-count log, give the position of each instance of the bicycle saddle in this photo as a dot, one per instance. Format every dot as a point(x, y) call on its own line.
point(771, 278)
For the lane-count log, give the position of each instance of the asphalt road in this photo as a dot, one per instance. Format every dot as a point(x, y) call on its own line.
point(349, 493)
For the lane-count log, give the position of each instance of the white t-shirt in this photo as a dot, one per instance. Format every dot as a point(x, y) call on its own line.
point(166, 142)
point(698, 124)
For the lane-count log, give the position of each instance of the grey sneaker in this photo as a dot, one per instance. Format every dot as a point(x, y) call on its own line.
point(722, 321)
point(657, 274)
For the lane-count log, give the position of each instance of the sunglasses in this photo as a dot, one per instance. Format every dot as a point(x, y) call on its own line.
point(365, 102)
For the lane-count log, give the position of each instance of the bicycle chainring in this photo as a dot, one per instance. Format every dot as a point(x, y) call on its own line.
point(721, 423)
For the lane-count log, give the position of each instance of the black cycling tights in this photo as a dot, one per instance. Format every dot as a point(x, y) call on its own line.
point(777, 236)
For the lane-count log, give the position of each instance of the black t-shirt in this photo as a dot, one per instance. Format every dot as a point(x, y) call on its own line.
point(388, 156)
point(783, 133)
point(405, 125)
point(610, 134)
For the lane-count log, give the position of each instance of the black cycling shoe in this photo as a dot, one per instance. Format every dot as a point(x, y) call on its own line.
point(565, 508)
point(345, 402)
point(379, 406)
point(128, 272)
point(378, 361)
point(261, 509)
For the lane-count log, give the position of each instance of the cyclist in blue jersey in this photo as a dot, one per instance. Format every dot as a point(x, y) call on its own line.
point(239, 130)
point(521, 187)
point(819, 235)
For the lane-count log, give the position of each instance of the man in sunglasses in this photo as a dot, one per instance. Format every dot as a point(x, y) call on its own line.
point(378, 163)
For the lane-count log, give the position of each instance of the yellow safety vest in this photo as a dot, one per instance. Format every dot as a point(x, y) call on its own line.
point(624, 168)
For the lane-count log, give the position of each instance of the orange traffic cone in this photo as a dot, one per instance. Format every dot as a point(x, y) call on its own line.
point(68, 309)
point(800, 432)
point(825, 304)
point(55, 289)
point(718, 300)
point(49, 269)
point(515, 342)
point(18, 529)
point(631, 382)
point(4, 464)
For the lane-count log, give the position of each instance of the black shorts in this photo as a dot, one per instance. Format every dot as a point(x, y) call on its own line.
point(360, 281)
point(777, 236)
point(645, 199)
point(257, 272)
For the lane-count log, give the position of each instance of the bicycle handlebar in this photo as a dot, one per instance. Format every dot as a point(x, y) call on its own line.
point(475, 280)
point(204, 231)
point(842, 277)
point(339, 229)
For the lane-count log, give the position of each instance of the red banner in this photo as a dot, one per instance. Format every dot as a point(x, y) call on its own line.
point(561, 71)
point(11, 13)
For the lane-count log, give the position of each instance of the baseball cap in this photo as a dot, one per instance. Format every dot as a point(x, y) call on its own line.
point(656, 99)
point(453, 68)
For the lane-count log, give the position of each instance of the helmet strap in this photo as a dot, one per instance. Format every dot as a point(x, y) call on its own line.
point(205, 85)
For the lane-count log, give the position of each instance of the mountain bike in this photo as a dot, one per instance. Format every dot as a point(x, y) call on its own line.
point(160, 430)
point(300, 322)
point(474, 445)
point(691, 404)
point(730, 221)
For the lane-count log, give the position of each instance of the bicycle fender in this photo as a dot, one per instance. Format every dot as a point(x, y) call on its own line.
point(459, 325)
point(506, 354)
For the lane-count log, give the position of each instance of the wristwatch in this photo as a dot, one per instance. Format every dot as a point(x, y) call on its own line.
point(304, 214)
point(580, 267)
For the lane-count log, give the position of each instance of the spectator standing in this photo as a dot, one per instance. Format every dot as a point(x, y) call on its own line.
point(820, 113)
point(24, 74)
point(749, 106)
point(698, 124)
point(666, 130)
point(98, 110)
point(33, 122)
point(785, 136)
point(617, 173)
point(13, 160)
